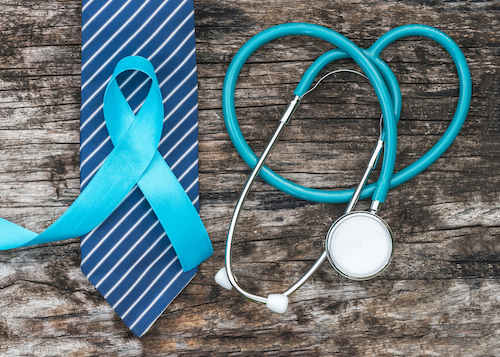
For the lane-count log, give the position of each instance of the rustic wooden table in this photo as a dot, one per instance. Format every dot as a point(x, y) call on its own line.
point(439, 297)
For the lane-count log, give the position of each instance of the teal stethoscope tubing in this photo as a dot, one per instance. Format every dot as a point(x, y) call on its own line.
point(353, 52)
point(390, 105)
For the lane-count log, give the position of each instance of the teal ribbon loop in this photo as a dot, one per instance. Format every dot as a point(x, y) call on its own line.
point(133, 160)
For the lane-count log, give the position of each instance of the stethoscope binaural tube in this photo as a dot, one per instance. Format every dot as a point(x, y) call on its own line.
point(391, 109)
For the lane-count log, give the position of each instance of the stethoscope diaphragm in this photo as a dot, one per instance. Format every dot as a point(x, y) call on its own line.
point(360, 245)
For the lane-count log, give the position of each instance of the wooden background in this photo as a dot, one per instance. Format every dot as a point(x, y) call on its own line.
point(439, 297)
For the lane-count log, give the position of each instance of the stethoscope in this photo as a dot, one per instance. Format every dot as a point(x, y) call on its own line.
point(360, 244)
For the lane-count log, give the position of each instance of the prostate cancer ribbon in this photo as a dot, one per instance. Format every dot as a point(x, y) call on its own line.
point(133, 160)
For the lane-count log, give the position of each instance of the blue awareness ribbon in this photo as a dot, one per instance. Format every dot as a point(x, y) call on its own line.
point(133, 160)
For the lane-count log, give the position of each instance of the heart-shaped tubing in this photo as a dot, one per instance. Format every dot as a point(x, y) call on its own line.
point(373, 53)
point(277, 303)
point(351, 51)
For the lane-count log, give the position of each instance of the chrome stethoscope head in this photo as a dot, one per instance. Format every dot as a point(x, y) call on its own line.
point(359, 245)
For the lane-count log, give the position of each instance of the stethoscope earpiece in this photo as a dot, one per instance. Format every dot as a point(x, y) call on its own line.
point(222, 279)
point(277, 303)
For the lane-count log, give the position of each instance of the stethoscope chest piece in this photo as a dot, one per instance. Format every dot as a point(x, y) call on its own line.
point(360, 245)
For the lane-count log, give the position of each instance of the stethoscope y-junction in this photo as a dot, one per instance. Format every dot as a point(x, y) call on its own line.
point(359, 245)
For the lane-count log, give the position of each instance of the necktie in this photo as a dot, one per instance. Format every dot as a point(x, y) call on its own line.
point(129, 257)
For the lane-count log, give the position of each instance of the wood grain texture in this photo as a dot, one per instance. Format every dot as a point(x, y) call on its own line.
point(439, 297)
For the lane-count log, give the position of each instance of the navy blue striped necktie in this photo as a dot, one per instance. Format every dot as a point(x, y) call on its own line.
point(129, 257)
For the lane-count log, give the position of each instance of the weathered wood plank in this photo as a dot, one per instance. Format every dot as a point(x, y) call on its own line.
point(439, 297)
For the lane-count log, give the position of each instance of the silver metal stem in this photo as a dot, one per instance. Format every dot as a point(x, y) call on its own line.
point(366, 175)
point(355, 196)
point(292, 107)
point(230, 235)
point(307, 275)
point(329, 74)
point(375, 206)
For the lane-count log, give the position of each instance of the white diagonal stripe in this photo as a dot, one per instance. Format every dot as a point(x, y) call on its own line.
point(106, 25)
point(181, 103)
point(123, 218)
point(150, 286)
point(92, 135)
point(94, 152)
point(95, 15)
point(186, 172)
point(138, 261)
point(178, 125)
point(118, 223)
point(173, 33)
point(188, 57)
point(184, 155)
point(143, 274)
point(172, 299)
point(115, 34)
point(87, 5)
point(156, 299)
point(188, 37)
point(110, 271)
point(181, 139)
point(180, 85)
point(114, 246)
point(192, 185)
point(90, 175)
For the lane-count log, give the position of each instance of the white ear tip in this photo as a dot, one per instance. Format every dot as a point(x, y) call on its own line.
point(277, 303)
point(222, 279)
